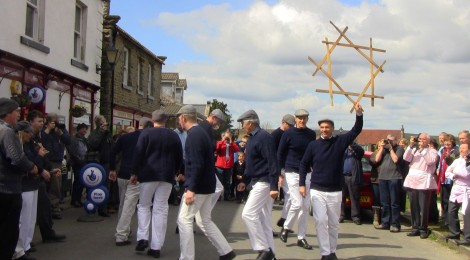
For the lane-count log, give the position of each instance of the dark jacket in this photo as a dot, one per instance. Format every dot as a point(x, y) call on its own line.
point(125, 146)
point(77, 151)
point(356, 163)
point(55, 144)
point(100, 142)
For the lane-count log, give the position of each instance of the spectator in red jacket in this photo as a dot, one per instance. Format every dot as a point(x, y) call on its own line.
point(224, 149)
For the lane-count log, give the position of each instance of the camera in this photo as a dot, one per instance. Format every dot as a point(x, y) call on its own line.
point(60, 126)
point(227, 140)
point(386, 141)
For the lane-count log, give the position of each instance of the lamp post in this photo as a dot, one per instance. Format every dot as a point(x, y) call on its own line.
point(111, 54)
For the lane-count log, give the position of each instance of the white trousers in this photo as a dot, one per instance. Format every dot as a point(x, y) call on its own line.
point(326, 212)
point(27, 222)
point(219, 188)
point(257, 217)
point(159, 191)
point(298, 205)
point(203, 205)
point(285, 189)
point(129, 195)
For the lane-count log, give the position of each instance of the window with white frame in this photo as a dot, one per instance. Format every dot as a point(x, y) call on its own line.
point(150, 83)
point(125, 68)
point(140, 85)
point(79, 39)
point(34, 28)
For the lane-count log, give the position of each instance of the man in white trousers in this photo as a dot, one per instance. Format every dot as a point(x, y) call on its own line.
point(157, 158)
point(199, 185)
point(262, 168)
point(325, 156)
point(290, 151)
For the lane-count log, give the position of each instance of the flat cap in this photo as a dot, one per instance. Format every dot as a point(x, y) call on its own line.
point(289, 119)
point(159, 115)
point(23, 126)
point(250, 114)
point(82, 125)
point(219, 114)
point(301, 112)
point(144, 120)
point(187, 109)
point(7, 105)
point(326, 120)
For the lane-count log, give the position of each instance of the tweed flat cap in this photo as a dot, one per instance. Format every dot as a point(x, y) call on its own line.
point(219, 114)
point(81, 125)
point(289, 119)
point(250, 114)
point(23, 126)
point(301, 112)
point(326, 120)
point(187, 109)
point(7, 105)
point(159, 115)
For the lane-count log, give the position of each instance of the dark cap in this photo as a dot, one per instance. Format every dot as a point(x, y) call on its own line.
point(301, 112)
point(159, 115)
point(289, 119)
point(23, 126)
point(187, 110)
point(250, 114)
point(81, 126)
point(144, 120)
point(219, 114)
point(7, 105)
point(326, 120)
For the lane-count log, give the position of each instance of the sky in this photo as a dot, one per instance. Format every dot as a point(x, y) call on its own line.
point(252, 54)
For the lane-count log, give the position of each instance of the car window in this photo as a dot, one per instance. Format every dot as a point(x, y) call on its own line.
point(366, 165)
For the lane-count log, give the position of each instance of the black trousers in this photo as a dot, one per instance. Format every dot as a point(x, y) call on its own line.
point(44, 212)
point(10, 205)
point(351, 189)
point(77, 186)
point(419, 205)
point(445, 195)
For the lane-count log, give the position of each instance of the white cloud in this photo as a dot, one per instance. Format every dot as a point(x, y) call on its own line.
point(258, 59)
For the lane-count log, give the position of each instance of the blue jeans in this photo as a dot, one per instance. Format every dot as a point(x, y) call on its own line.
point(225, 177)
point(390, 193)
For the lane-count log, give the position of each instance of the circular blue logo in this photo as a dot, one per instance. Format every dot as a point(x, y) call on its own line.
point(37, 94)
point(92, 175)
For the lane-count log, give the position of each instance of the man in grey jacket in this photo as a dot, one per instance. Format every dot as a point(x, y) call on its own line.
point(13, 164)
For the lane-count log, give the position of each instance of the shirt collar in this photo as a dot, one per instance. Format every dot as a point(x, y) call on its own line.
point(255, 131)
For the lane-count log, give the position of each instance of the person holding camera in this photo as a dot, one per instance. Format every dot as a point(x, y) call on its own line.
point(224, 149)
point(389, 155)
point(54, 138)
point(459, 172)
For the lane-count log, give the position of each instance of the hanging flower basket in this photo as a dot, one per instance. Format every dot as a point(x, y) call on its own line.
point(77, 111)
point(22, 99)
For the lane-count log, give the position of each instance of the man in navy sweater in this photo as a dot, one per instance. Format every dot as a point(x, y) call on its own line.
point(261, 166)
point(289, 153)
point(128, 192)
point(199, 184)
point(325, 157)
point(157, 158)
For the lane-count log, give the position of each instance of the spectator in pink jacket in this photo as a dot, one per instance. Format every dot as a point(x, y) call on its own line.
point(420, 182)
point(459, 172)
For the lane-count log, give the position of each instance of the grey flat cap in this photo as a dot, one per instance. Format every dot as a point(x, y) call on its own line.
point(7, 105)
point(289, 119)
point(23, 126)
point(301, 112)
point(219, 114)
point(144, 120)
point(187, 109)
point(326, 120)
point(250, 114)
point(159, 115)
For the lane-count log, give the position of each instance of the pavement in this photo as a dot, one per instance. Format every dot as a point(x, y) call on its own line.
point(95, 240)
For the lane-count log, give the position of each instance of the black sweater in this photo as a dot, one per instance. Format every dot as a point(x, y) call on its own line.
point(292, 147)
point(125, 146)
point(326, 157)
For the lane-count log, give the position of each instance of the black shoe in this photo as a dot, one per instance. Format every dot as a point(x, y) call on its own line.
point(229, 256)
point(413, 233)
point(154, 253)
point(266, 255)
point(26, 257)
point(54, 238)
point(325, 257)
point(275, 234)
point(31, 249)
point(142, 245)
point(283, 235)
point(177, 231)
point(357, 221)
point(123, 243)
point(423, 234)
point(103, 214)
point(304, 244)
point(333, 256)
point(463, 242)
point(452, 237)
point(280, 222)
